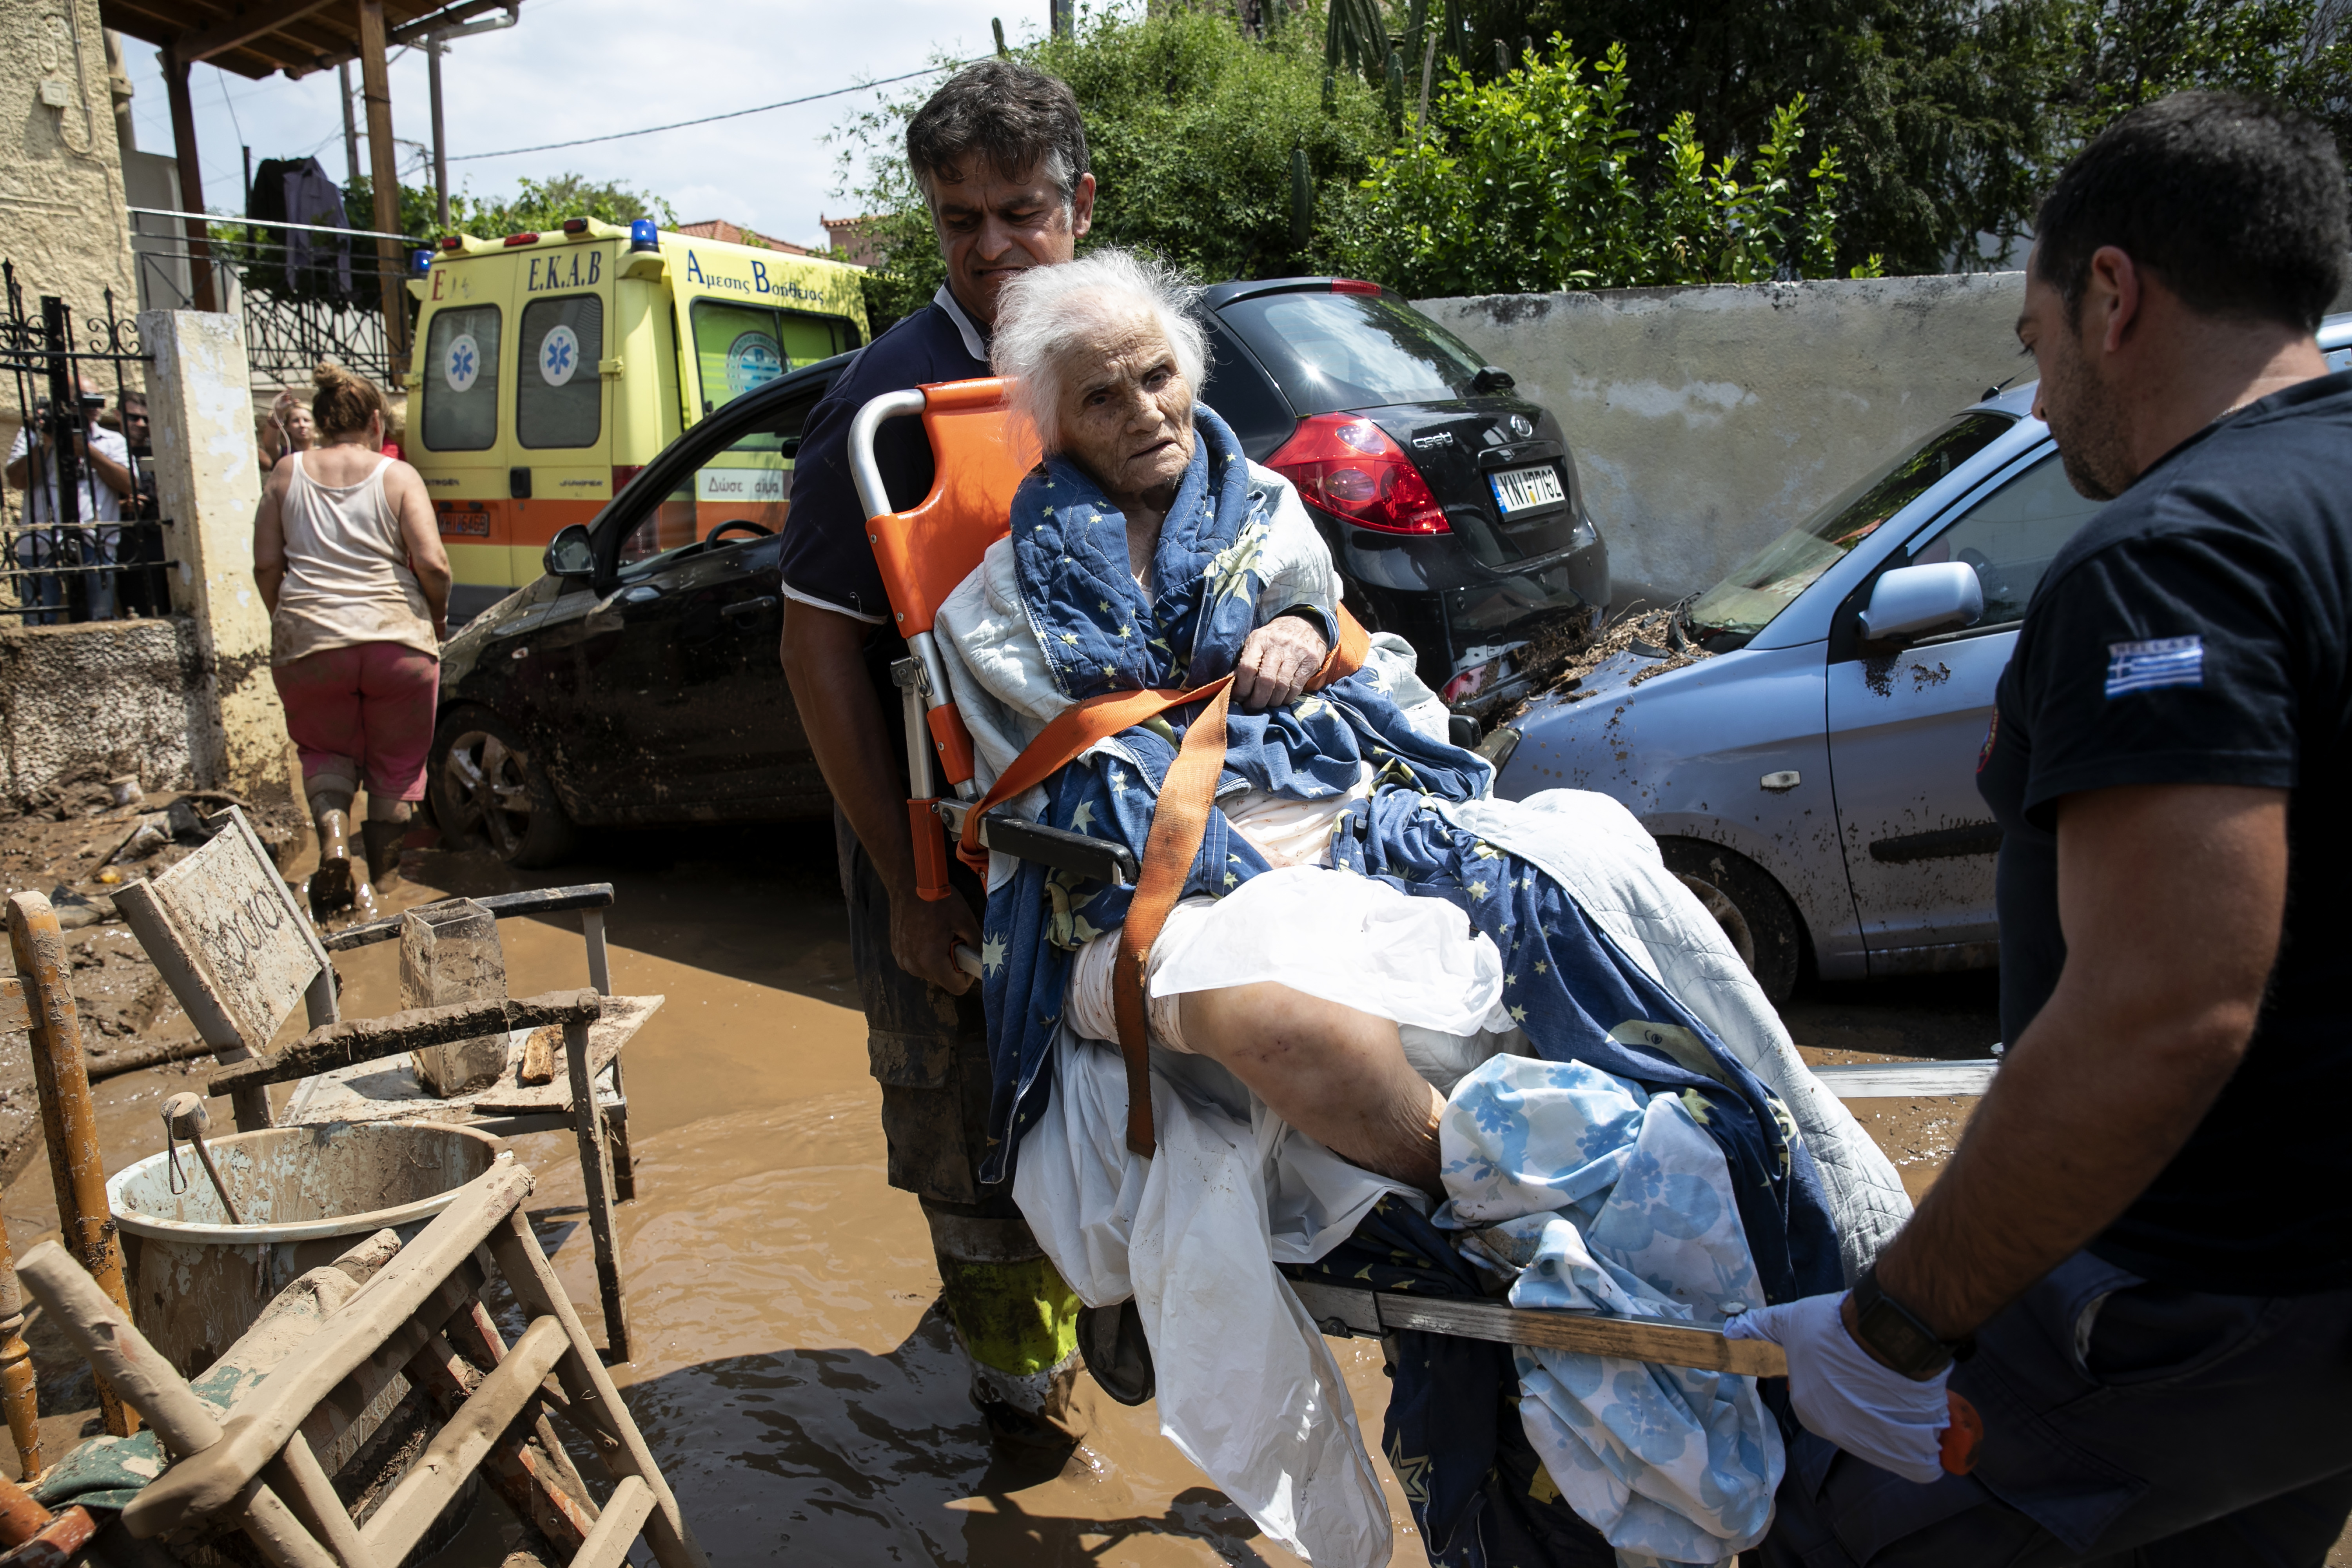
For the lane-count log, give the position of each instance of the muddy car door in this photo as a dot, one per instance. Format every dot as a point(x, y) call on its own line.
point(679, 708)
point(1906, 726)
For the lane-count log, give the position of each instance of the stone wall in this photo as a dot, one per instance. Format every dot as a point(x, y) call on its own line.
point(96, 701)
point(1704, 421)
point(61, 194)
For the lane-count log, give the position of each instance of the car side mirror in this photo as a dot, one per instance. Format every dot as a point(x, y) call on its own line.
point(1918, 601)
point(570, 554)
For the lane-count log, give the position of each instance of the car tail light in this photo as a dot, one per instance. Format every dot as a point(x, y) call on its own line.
point(1348, 466)
point(1353, 286)
point(521, 239)
point(624, 472)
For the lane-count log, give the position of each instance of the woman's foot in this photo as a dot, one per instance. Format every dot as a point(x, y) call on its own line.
point(331, 884)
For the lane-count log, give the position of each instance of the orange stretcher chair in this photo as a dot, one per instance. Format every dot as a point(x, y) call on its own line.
point(924, 553)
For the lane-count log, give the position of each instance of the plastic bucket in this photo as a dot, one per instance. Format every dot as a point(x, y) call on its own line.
point(307, 1194)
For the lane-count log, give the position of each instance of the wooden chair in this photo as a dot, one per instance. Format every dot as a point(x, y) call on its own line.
point(239, 952)
point(417, 1313)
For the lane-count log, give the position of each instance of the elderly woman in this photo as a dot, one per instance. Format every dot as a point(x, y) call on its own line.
point(1370, 948)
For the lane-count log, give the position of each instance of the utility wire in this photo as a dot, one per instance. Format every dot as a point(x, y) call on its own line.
point(709, 119)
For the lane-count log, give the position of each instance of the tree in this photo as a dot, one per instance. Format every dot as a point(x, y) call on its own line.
point(1533, 180)
point(536, 204)
point(1193, 128)
point(2124, 53)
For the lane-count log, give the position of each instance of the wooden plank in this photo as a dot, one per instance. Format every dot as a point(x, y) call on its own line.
point(608, 1544)
point(367, 1039)
point(242, 26)
point(296, 1473)
point(596, 1172)
point(200, 1485)
point(596, 1409)
point(401, 1521)
point(518, 1468)
point(381, 1090)
point(1898, 1080)
point(1631, 1339)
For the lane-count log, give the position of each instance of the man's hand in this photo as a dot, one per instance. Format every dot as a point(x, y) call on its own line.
point(1278, 661)
point(1840, 1391)
point(923, 937)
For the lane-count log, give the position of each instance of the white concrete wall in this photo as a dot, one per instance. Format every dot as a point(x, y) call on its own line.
point(1704, 421)
point(83, 704)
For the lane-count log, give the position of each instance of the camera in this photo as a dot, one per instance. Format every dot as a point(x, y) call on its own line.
point(51, 422)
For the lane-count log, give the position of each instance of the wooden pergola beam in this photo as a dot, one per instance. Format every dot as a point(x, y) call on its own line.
point(384, 171)
point(192, 182)
point(249, 24)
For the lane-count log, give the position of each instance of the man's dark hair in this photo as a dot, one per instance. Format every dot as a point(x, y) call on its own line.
point(1009, 117)
point(2236, 205)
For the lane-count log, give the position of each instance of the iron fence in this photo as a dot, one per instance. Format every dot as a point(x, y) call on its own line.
point(81, 538)
point(306, 292)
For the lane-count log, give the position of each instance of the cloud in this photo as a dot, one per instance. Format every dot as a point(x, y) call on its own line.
point(587, 67)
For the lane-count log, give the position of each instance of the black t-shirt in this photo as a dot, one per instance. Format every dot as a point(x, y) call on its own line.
point(2198, 631)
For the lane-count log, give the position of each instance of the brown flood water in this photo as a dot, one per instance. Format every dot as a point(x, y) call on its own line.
point(799, 1393)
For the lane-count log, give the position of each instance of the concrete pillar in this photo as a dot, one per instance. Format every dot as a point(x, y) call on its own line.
point(209, 478)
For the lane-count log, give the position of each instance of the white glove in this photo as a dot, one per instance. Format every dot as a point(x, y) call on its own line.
point(1840, 1391)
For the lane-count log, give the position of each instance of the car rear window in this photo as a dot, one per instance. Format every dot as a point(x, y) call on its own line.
point(1333, 352)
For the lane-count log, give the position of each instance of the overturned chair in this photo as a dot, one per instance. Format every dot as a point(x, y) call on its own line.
point(277, 1441)
point(238, 953)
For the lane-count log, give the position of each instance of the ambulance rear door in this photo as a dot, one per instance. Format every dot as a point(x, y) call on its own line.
point(460, 426)
point(562, 469)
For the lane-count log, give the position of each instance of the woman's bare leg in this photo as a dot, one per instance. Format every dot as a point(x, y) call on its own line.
point(1338, 1075)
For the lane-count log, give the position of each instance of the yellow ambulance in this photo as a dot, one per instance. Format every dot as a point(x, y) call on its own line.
point(549, 367)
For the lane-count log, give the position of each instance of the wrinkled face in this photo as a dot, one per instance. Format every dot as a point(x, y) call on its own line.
point(991, 225)
point(1125, 411)
point(2074, 400)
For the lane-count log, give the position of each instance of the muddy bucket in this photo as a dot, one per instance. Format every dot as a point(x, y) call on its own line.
point(307, 1194)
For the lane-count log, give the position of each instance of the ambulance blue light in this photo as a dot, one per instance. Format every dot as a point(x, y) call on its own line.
point(419, 261)
point(643, 235)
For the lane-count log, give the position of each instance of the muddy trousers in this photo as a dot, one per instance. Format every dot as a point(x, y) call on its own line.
point(1010, 1311)
point(2127, 1426)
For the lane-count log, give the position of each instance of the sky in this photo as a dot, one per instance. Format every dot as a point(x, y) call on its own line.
point(586, 68)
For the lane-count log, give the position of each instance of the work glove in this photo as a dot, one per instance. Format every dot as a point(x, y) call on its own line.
point(1841, 1392)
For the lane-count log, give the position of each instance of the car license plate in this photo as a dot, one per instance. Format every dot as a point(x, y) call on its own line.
point(1523, 489)
point(475, 523)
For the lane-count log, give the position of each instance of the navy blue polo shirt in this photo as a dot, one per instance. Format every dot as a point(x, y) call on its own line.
point(2198, 631)
point(826, 559)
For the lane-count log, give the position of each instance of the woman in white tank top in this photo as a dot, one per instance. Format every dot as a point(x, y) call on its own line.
point(349, 561)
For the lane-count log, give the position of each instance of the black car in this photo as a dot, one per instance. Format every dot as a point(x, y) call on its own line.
point(1451, 505)
point(639, 682)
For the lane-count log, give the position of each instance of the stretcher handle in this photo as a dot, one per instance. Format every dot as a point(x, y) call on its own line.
point(967, 960)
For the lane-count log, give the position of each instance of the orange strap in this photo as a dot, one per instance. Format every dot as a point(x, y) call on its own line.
point(1178, 822)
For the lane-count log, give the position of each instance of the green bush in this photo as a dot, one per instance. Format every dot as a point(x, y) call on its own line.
point(1535, 180)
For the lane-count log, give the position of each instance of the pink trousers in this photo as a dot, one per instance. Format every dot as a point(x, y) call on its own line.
point(362, 714)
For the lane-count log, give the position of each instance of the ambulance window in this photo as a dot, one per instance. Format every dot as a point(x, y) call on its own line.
point(736, 348)
point(461, 384)
point(750, 479)
point(808, 339)
point(559, 396)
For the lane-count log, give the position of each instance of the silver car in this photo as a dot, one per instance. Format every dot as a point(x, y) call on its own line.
point(1814, 782)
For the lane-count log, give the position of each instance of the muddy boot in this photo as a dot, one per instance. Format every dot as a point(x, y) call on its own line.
point(1017, 1324)
point(331, 884)
point(382, 842)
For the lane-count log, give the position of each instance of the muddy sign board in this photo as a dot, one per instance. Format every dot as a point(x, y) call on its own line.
point(224, 929)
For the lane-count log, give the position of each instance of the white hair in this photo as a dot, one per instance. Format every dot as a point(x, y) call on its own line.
point(1049, 318)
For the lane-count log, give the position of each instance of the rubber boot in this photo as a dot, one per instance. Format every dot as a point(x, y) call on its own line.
point(331, 884)
point(382, 842)
point(1017, 1323)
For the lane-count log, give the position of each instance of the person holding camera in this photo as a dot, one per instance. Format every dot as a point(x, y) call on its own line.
point(103, 467)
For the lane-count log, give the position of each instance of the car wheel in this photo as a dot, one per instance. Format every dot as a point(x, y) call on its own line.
point(488, 793)
point(1748, 904)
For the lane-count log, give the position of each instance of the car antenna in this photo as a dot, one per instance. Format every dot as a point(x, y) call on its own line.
point(1992, 392)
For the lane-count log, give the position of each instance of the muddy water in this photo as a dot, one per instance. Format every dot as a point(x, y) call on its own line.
point(799, 1392)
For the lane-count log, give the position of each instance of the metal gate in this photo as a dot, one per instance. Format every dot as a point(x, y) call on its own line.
point(81, 539)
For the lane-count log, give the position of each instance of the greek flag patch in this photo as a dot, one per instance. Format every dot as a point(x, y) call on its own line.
point(2152, 665)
